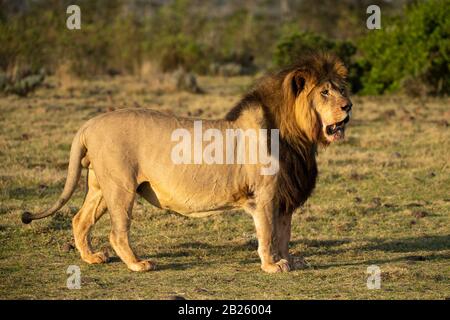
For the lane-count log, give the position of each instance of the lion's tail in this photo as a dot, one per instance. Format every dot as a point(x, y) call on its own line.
point(77, 152)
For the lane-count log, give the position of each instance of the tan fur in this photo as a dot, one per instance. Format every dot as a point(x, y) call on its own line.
point(127, 153)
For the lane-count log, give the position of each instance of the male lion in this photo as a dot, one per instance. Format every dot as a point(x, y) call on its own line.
point(127, 152)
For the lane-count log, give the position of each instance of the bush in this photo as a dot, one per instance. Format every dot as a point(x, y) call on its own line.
point(22, 44)
point(21, 85)
point(109, 41)
point(300, 43)
point(409, 51)
point(180, 51)
point(178, 36)
point(116, 37)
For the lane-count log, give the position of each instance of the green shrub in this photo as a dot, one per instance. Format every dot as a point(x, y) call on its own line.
point(21, 84)
point(409, 50)
point(115, 38)
point(28, 41)
point(300, 43)
point(109, 41)
point(178, 36)
point(180, 51)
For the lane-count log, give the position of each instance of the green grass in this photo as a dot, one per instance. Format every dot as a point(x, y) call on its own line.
point(383, 198)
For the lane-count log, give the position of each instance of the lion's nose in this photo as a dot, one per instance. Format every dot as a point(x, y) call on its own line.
point(347, 107)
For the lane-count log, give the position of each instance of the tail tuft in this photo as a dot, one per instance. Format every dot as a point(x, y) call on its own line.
point(27, 217)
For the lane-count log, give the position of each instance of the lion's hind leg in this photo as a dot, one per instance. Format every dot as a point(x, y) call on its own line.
point(93, 208)
point(120, 204)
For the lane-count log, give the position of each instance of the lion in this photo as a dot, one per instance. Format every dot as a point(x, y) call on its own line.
point(127, 153)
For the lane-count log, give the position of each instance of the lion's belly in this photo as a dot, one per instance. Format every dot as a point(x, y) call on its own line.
point(190, 199)
point(193, 203)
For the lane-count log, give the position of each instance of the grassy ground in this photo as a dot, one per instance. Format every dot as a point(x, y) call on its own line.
point(383, 198)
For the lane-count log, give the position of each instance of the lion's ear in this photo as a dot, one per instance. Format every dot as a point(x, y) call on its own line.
point(295, 83)
point(299, 80)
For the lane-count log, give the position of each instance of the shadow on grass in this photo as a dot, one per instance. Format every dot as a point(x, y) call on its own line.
point(321, 243)
point(187, 247)
point(164, 266)
point(39, 191)
point(216, 251)
point(410, 259)
point(428, 244)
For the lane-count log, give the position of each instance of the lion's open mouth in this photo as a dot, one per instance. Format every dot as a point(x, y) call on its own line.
point(336, 131)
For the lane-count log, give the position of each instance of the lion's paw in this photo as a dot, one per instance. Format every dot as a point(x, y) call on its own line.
point(280, 266)
point(96, 258)
point(143, 265)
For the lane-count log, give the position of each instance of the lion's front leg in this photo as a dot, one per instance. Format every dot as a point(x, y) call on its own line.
point(266, 229)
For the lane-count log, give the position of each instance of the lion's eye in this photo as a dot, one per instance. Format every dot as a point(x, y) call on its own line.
point(325, 93)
